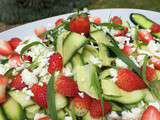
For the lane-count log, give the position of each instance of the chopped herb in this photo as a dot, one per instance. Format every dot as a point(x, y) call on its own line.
point(3, 61)
point(9, 72)
point(112, 26)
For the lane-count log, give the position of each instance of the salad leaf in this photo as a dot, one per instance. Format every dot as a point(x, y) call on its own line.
point(51, 98)
point(25, 48)
point(112, 25)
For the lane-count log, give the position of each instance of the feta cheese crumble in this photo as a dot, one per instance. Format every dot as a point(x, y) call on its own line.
point(67, 72)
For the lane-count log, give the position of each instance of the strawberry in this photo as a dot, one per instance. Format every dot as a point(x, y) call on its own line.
point(97, 20)
point(145, 36)
point(150, 73)
point(27, 58)
point(55, 63)
point(121, 32)
point(127, 50)
point(155, 28)
point(58, 22)
point(17, 83)
point(96, 108)
point(81, 104)
point(15, 60)
point(14, 42)
point(44, 118)
point(80, 24)
point(155, 62)
point(5, 48)
point(128, 80)
point(39, 30)
point(151, 113)
point(40, 94)
point(66, 86)
point(116, 20)
point(3, 86)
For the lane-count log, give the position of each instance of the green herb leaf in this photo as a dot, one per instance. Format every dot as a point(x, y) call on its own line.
point(125, 59)
point(3, 61)
point(9, 72)
point(112, 25)
point(102, 104)
point(73, 113)
point(24, 49)
point(51, 98)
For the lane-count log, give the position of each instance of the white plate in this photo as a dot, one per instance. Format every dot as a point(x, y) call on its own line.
point(27, 29)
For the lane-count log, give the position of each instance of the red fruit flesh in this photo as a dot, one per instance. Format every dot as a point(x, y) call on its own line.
point(121, 32)
point(129, 81)
point(80, 24)
point(150, 73)
point(66, 86)
point(44, 118)
point(40, 94)
point(156, 63)
point(151, 113)
point(116, 20)
point(155, 28)
point(14, 42)
point(55, 63)
point(5, 48)
point(39, 30)
point(27, 58)
point(58, 22)
point(17, 83)
point(127, 50)
point(145, 36)
point(3, 86)
point(96, 108)
point(15, 60)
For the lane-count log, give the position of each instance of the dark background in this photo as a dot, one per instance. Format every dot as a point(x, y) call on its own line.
point(17, 12)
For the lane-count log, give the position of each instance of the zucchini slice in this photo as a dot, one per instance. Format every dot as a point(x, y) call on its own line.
point(143, 22)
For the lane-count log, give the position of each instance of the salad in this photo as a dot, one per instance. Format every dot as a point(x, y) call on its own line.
point(83, 68)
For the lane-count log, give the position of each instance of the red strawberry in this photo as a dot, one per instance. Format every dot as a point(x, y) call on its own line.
point(81, 104)
point(151, 113)
point(127, 50)
point(155, 28)
point(40, 94)
point(96, 108)
point(5, 48)
point(27, 58)
point(3, 86)
point(39, 30)
point(116, 20)
point(44, 118)
point(14, 42)
point(121, 32)
point(58, 22)
point(150, 73)
point(55, 63)
point(80, 24)
point(17, 83)
point(66, 86)
point(15, 60)
point(145, 36)
point(128, 80)
point(156, 63)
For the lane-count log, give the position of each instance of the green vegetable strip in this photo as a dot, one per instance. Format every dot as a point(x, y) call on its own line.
point(24, 49)
point(51, 98)
point(9, 72)
point(102, 104)
point(112, 25)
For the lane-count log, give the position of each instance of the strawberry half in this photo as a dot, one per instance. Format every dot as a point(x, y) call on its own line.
point(81, 104)
point(129, 81)
point(17, 83)
point(121, 32)
point(127, 50)
point(66, 86)
point(40, 96)
point(150, 73)
point(80, 24)
point(15, 60)
point(14, 42)
point(116, 20)
point(58, 22)
point(3, 86)
point(45, 118)
point(96, 108)
point(5, 48)
point(39, 30)
point(145, 36)
point(151, 113)
point(55, 63)
point(155, 28)
point(27, 58)
point(155, 62)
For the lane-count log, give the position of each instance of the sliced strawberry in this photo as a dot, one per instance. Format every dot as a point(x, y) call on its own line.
point(14, 42)
point(39, 30)
point(27, 58)
point(127, 50)
point(150, 73)
point(151, 113)
point(80, 24)
point(5, 48)
point(55, 63)
point(17, 83)
point(121, 32)
point(66, 86)
point(45, 118)
point(128, 80)
point(15, 60)
point(116, 20)
point(81, 104)
point(3, 86)
point(40, 94)
point(96, 108)
point(155, 28)
point(58, 22)
point(155, 62)
point(145, 36)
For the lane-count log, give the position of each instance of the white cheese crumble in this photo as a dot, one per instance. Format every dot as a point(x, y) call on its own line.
point(120, 63)
point(114, 74)
point(67, 72)
point(156, 104)
point(68, 118)
point(96, 61)
point(39, 115)
point(3, 69)
point(27, 91)
point(28, 78)
point(113, 116)
point(81, 94)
